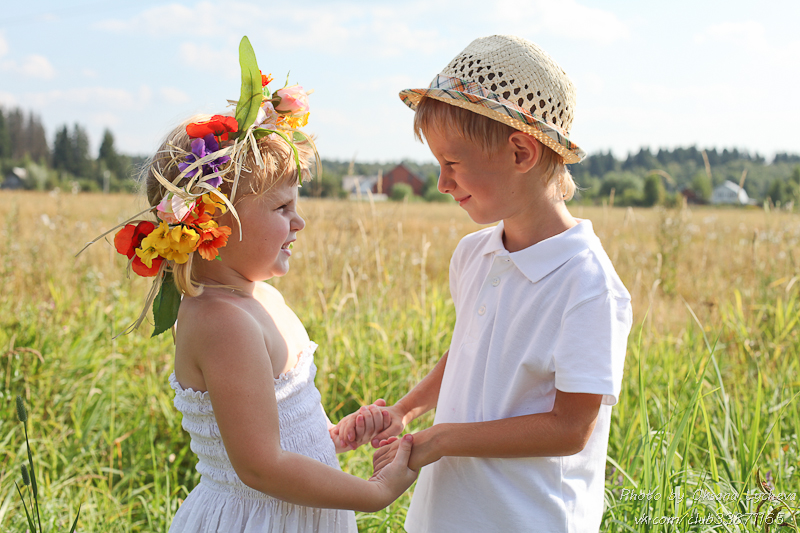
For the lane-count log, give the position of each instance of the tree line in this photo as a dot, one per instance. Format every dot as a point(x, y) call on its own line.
point(69, 163)
point(644, 178)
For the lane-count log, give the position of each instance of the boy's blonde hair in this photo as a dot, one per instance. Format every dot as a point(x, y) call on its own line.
point(489, 135)
point(279, 168)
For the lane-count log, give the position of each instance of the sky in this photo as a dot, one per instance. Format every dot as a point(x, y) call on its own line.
point(657, 74)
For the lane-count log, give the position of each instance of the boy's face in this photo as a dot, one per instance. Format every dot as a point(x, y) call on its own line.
point(478, 181)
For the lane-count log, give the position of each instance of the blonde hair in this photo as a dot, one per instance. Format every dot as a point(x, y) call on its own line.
point(489, 135)
point(279, 167)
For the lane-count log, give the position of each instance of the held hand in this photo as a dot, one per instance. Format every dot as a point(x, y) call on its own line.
point(423, 453)
point(395, 476)
point(360, 427)
point(393, 424)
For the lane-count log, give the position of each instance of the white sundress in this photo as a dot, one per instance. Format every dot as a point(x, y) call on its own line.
point(221, 502)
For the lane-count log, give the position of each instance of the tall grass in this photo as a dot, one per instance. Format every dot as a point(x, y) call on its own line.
point(709, 398)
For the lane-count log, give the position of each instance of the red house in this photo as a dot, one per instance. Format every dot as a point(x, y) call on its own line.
point(399, 174)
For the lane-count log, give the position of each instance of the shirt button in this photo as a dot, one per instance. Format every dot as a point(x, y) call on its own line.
point(495, 282)
point(482, 310)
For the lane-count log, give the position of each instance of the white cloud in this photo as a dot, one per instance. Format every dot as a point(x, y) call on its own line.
point(8, 100)
point(36, 66)
point(566, 18)
point(173, 95)
point(752, 38)
point(96, 97)
point(89, 73)
point(33, 66)
point(333, 28)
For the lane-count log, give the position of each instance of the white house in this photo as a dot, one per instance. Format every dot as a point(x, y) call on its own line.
point(358, 185)
point(729, 193)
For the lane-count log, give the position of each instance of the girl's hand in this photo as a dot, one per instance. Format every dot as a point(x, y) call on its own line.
point(395, 476)
point(360, 427)
point(393, 424)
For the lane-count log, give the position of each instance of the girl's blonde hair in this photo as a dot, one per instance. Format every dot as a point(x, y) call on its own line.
point(489, 135)
point(279, 167)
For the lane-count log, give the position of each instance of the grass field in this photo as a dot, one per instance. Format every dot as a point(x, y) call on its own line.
point(709, 399)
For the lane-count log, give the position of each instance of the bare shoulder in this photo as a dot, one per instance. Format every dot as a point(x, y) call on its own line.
point(269, 292)
point(214, 334)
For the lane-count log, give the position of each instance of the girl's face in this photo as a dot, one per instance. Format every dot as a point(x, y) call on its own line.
point(270, 224)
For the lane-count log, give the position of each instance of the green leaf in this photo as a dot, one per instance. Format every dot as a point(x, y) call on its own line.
point(251, 95)
point(75, 523)
point(166, 305)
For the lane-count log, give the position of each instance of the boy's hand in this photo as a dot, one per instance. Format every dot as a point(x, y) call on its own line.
point(423, 452)
point(360, 427)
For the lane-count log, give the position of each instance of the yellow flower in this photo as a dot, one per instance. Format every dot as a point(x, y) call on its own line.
point(158, 239)
point(147, 254)
point(213, 202)
point(175, 256)
point(183, 240)
point(297, 122)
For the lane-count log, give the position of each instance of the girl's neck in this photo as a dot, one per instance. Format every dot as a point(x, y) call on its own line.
point(219, 276)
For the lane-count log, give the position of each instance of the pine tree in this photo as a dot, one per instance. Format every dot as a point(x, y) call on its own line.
point(5, 137)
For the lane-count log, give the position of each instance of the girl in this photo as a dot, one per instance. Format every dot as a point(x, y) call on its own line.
point(244, 370)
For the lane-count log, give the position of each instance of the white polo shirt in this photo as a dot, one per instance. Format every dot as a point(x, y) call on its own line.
point(552, 316)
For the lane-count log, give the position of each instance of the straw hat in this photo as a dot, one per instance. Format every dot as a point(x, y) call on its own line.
point(509, 79)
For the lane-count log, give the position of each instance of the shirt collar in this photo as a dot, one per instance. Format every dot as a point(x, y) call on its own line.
point(539, 260)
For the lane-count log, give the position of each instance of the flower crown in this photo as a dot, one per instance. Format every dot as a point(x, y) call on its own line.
point(185, 213)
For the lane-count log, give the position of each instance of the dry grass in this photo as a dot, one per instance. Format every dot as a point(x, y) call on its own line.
point(370, 283)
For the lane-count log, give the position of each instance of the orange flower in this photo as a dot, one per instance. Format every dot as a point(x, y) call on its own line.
point(218, 125)
point(265, 80)
point(211, 240)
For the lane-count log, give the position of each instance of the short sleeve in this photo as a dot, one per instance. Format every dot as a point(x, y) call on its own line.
point(589, 354)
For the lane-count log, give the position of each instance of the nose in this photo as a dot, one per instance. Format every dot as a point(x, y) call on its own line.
point(298, 223)
point(445, 183)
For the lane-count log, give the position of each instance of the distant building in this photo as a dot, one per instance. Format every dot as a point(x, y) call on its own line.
point(15, 179)
point(359, 185)
point(729, 193)
point(400, 174)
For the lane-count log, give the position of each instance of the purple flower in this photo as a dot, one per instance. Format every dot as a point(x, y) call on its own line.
point(200, 149)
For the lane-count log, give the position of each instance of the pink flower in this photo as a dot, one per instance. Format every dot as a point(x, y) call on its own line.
point(293, 101)
point(267, 118)
point(173, 209)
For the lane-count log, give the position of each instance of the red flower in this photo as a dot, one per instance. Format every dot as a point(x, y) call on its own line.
point(265, 80)
point(212, 239)
point(218, 125)
point(140, 268)
point(128, 239)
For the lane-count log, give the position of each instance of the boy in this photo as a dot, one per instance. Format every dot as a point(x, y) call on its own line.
point(523, 397)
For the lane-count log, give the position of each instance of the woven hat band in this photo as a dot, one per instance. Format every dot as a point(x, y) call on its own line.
point(470, 95)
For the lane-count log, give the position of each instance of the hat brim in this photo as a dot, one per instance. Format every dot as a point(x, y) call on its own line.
point(497, 109)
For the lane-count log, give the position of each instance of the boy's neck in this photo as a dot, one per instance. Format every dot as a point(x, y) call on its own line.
point(541, 221)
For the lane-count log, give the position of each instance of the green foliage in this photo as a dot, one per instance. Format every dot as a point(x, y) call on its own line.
point(32, 515)
point(654, 192)
point(401, 191)
point(627, 188)
point(702, 187)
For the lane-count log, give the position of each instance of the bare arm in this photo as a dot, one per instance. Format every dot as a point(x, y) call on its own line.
point(563, 431)
point(239, 378)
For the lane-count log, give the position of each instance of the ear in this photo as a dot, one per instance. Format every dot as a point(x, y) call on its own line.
point(527, 150)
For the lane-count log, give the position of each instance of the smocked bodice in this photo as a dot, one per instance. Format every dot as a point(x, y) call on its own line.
point(303, 430)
